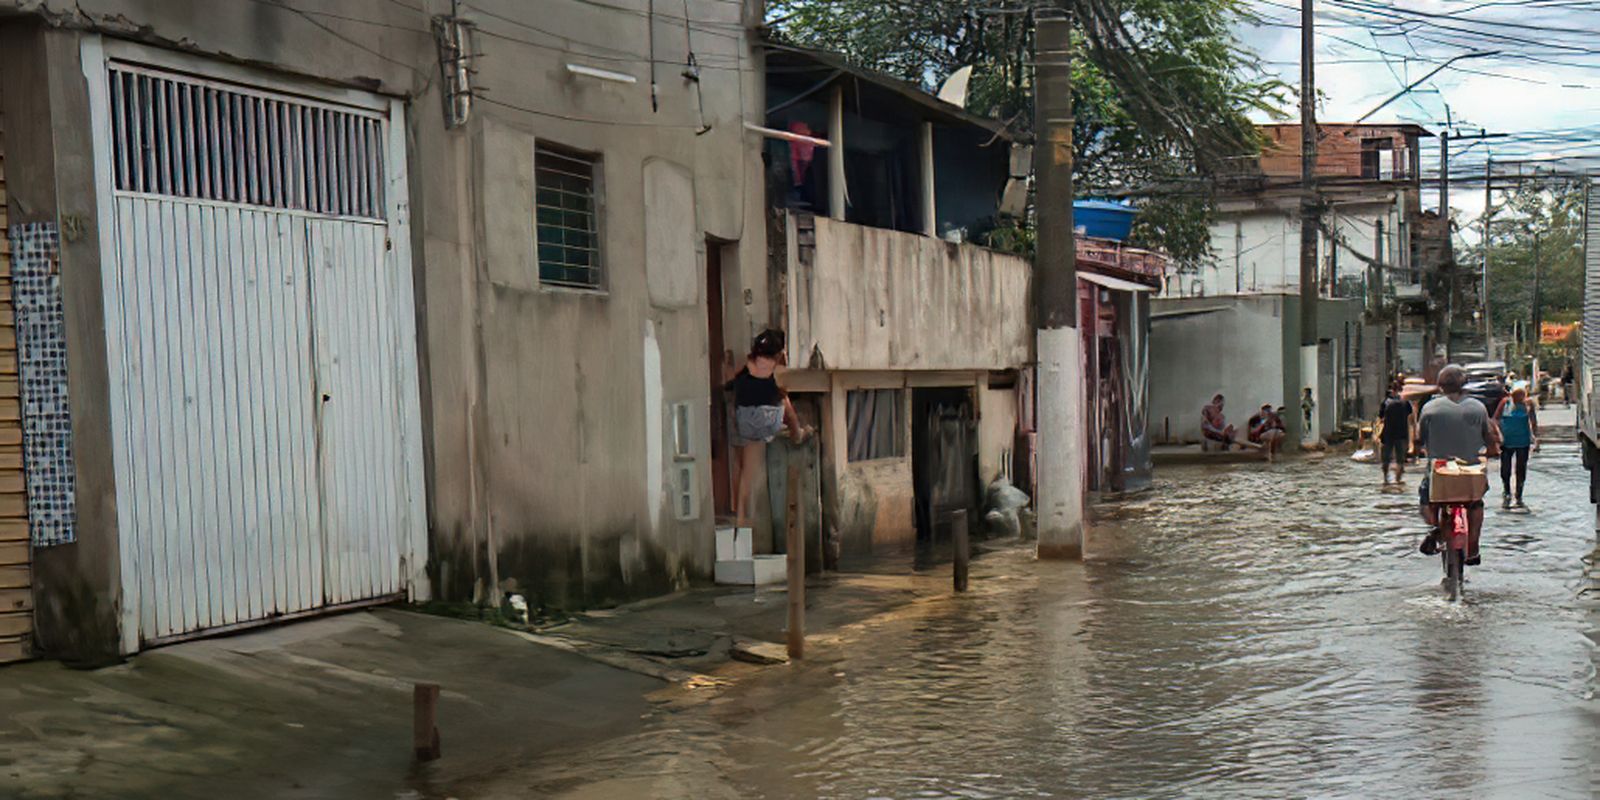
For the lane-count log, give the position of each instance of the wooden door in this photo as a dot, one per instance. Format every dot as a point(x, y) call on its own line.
point(718, 353)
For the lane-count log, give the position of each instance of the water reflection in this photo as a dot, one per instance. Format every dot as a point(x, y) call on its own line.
point(1244, 632)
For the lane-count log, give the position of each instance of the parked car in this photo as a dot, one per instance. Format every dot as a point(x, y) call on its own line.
point(1486, 380)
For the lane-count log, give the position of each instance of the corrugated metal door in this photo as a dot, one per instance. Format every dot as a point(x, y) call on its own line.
point(1589, 366)
point(361, 465)
point(258, 318)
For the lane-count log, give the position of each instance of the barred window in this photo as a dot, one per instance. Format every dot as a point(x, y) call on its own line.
point(180, 136)
point(567, 217)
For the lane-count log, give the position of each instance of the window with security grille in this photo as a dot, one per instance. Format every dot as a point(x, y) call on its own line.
point(567, 217)
point(181, 136)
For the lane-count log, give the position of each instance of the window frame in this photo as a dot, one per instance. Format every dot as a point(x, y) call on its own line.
point(902, 445)
point(1379, 147)
point(596, 161)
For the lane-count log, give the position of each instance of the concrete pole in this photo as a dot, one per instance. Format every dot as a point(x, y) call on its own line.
point(1488, 213)
point(1444, 175)
point(1055, 299)
point(1453, 296)
point(1537, 332)
point(836, 187)
point(1310, 222)
point(930, 210)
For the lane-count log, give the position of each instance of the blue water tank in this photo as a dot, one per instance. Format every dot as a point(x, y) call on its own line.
point(1102, 219)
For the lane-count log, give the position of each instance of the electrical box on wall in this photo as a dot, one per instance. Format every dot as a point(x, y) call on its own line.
point(682, 432)
point(685, 467)
point(686, 490)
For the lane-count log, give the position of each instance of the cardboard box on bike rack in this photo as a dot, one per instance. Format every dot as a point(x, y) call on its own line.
point(1457, 482)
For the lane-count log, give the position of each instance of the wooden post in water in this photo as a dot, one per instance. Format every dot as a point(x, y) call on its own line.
point(958, 538)
point(424, 721)
point(795, 546)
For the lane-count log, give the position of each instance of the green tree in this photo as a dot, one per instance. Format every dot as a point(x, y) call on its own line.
point(1162, 89)
point(1550, 215)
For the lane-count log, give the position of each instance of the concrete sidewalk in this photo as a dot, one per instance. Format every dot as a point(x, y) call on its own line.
point(322, 708)
point(317, 709)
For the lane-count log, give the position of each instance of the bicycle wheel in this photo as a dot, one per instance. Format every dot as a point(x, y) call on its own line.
point(1454, 572)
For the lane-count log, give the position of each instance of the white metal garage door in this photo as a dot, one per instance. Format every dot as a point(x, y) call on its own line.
point(262, 350)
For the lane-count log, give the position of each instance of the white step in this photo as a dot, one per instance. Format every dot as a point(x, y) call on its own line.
point(735, 544)
point(754, 571)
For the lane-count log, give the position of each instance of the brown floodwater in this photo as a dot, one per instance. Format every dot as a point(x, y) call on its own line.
point(1241, 631)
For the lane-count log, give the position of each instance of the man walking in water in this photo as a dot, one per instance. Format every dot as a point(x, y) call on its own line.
point(1454, 426)
point(1395, 441)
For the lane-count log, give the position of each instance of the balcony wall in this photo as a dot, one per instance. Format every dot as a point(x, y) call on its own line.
point(863, 298)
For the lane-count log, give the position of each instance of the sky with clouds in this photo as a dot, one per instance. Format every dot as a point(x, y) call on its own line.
point(1536, 74)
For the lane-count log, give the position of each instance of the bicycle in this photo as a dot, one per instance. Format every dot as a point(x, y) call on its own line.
point(1452, 516)
point(1456, 534)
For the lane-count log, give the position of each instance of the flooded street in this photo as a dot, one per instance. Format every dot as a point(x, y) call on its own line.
point(1240, 631)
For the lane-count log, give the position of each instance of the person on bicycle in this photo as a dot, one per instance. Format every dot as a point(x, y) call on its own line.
point(1453, 425)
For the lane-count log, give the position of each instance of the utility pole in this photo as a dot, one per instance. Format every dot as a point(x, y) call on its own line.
point(1453, 290)
point(1055, 297)
point(1537, 333)
point(1488, 214)
point(1310, 224)
point(1444, 175)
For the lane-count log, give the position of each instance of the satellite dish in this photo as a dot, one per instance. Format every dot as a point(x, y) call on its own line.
point(954, 90)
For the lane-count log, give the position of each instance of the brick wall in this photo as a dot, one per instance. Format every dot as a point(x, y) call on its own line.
point(1338, 151)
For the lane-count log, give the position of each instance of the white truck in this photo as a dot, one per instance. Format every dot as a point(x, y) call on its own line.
point(1587, 374)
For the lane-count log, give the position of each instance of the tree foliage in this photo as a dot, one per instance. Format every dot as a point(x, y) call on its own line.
point(1552, 216)
point(1162, 89)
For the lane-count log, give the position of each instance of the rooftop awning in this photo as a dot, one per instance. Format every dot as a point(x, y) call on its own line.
point(1117, 284)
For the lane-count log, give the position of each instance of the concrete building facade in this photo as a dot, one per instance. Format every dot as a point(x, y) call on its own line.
point(1378, 253)
point(466, 260)
point(908, 337)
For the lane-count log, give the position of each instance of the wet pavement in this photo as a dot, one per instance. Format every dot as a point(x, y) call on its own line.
point(1240, 631)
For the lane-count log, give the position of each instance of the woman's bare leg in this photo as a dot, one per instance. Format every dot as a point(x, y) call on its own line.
point(743, 469)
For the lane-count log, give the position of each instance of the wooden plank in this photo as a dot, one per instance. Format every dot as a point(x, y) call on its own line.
point(15, 578)
point(11, 457)
point(16, 599)
point(14, 553)
point(15, 624)
point(13, 506)
point(14, 650)
point(13, 530)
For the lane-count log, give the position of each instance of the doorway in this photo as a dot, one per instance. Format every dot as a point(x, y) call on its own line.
point(943, 459)
point(722, 359)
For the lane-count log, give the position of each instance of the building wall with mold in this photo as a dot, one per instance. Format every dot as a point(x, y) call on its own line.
point(546, 412)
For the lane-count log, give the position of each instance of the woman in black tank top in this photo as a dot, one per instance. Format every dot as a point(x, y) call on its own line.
point(761, 409)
